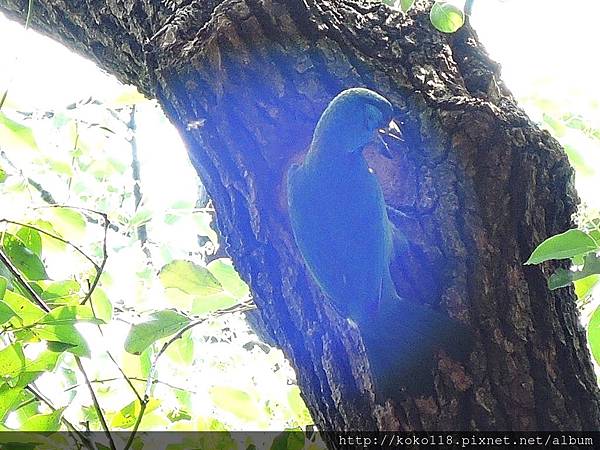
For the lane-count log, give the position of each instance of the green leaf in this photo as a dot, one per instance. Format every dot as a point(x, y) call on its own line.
point(12, 361)
point(141, 216)
point(565, 245)
point(6, 313)
point(297, 405)
point(33, 369)
point(162, 324)
point(189, 278)
point(3, 284)
point(405, 5)
point(227, 276)
point(211, 303)
point(593, 332)
point(102, 305)
point(563, 277)
point(32, 239)
point(235, 401)
point(62, 292)
point(182, 350)
point(44, 362)
point(127, 416)
point(69, 223)
point(66, 334)
point(70, 315)
point(15, 135)
point(48, 242)
point(44, 422)
point(289, 440)
point(3, 175)
point(23, 258)
point(9, 397)
point(446, 17)
point(26, 311)
point(583, 287)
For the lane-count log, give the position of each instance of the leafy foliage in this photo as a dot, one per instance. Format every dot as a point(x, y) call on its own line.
point(445, 16)
point(99, 286)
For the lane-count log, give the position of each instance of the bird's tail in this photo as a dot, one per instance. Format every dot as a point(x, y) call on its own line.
point(402, 343)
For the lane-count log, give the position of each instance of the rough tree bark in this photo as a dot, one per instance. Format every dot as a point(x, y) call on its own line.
point(475, 189)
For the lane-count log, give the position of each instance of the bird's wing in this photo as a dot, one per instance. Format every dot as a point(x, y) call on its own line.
point(342, 237)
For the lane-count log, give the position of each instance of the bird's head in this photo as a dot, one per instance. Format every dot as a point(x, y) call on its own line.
point(354, 118)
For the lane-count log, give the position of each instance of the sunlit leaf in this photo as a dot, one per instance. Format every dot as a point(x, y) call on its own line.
point(583, 287)
point(49, 243)
point(12, 361)
point(23, 258)
point(70, 315)
point(26, 311)
point(565, 245)
point(446, 17)
point(189, 278)
point(227, 276)
point(297, 405)
point(141, 216)
point(62, 292)
point(563, 277)
point(182, 350)
point(9, 397)
point(579, 162)
point(129, 96)
point(162, 324)
point(59, 167)
point(404, 5)
point(31, 238)
point(69, 223)
point(593, 332)
point(15, 135)
point(211, 303)
point(235, 401)
point(44, 422)
point(127, 416)
point(6, 313)
point(66, 334)
point(288, 440)
point(102, 305)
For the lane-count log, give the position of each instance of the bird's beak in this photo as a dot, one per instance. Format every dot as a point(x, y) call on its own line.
point(392, 131)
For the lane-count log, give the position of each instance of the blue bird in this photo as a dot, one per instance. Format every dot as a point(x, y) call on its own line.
point(341, 227)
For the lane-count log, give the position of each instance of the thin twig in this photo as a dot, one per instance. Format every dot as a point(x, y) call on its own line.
point(106, 226)
point(127, 379)
point(15, 272)
point(58, 238)
point(46, 195)
point(141, 380)
point(104, 259)
point(138, 421)
point(38, 395)
point(240, 307)
point(96, 404)
point(142, 229)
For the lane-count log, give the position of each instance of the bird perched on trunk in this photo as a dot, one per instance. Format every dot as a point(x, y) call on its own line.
point(341, 227)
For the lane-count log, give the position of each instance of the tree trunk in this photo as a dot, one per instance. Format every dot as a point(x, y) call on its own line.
point(476, 187)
